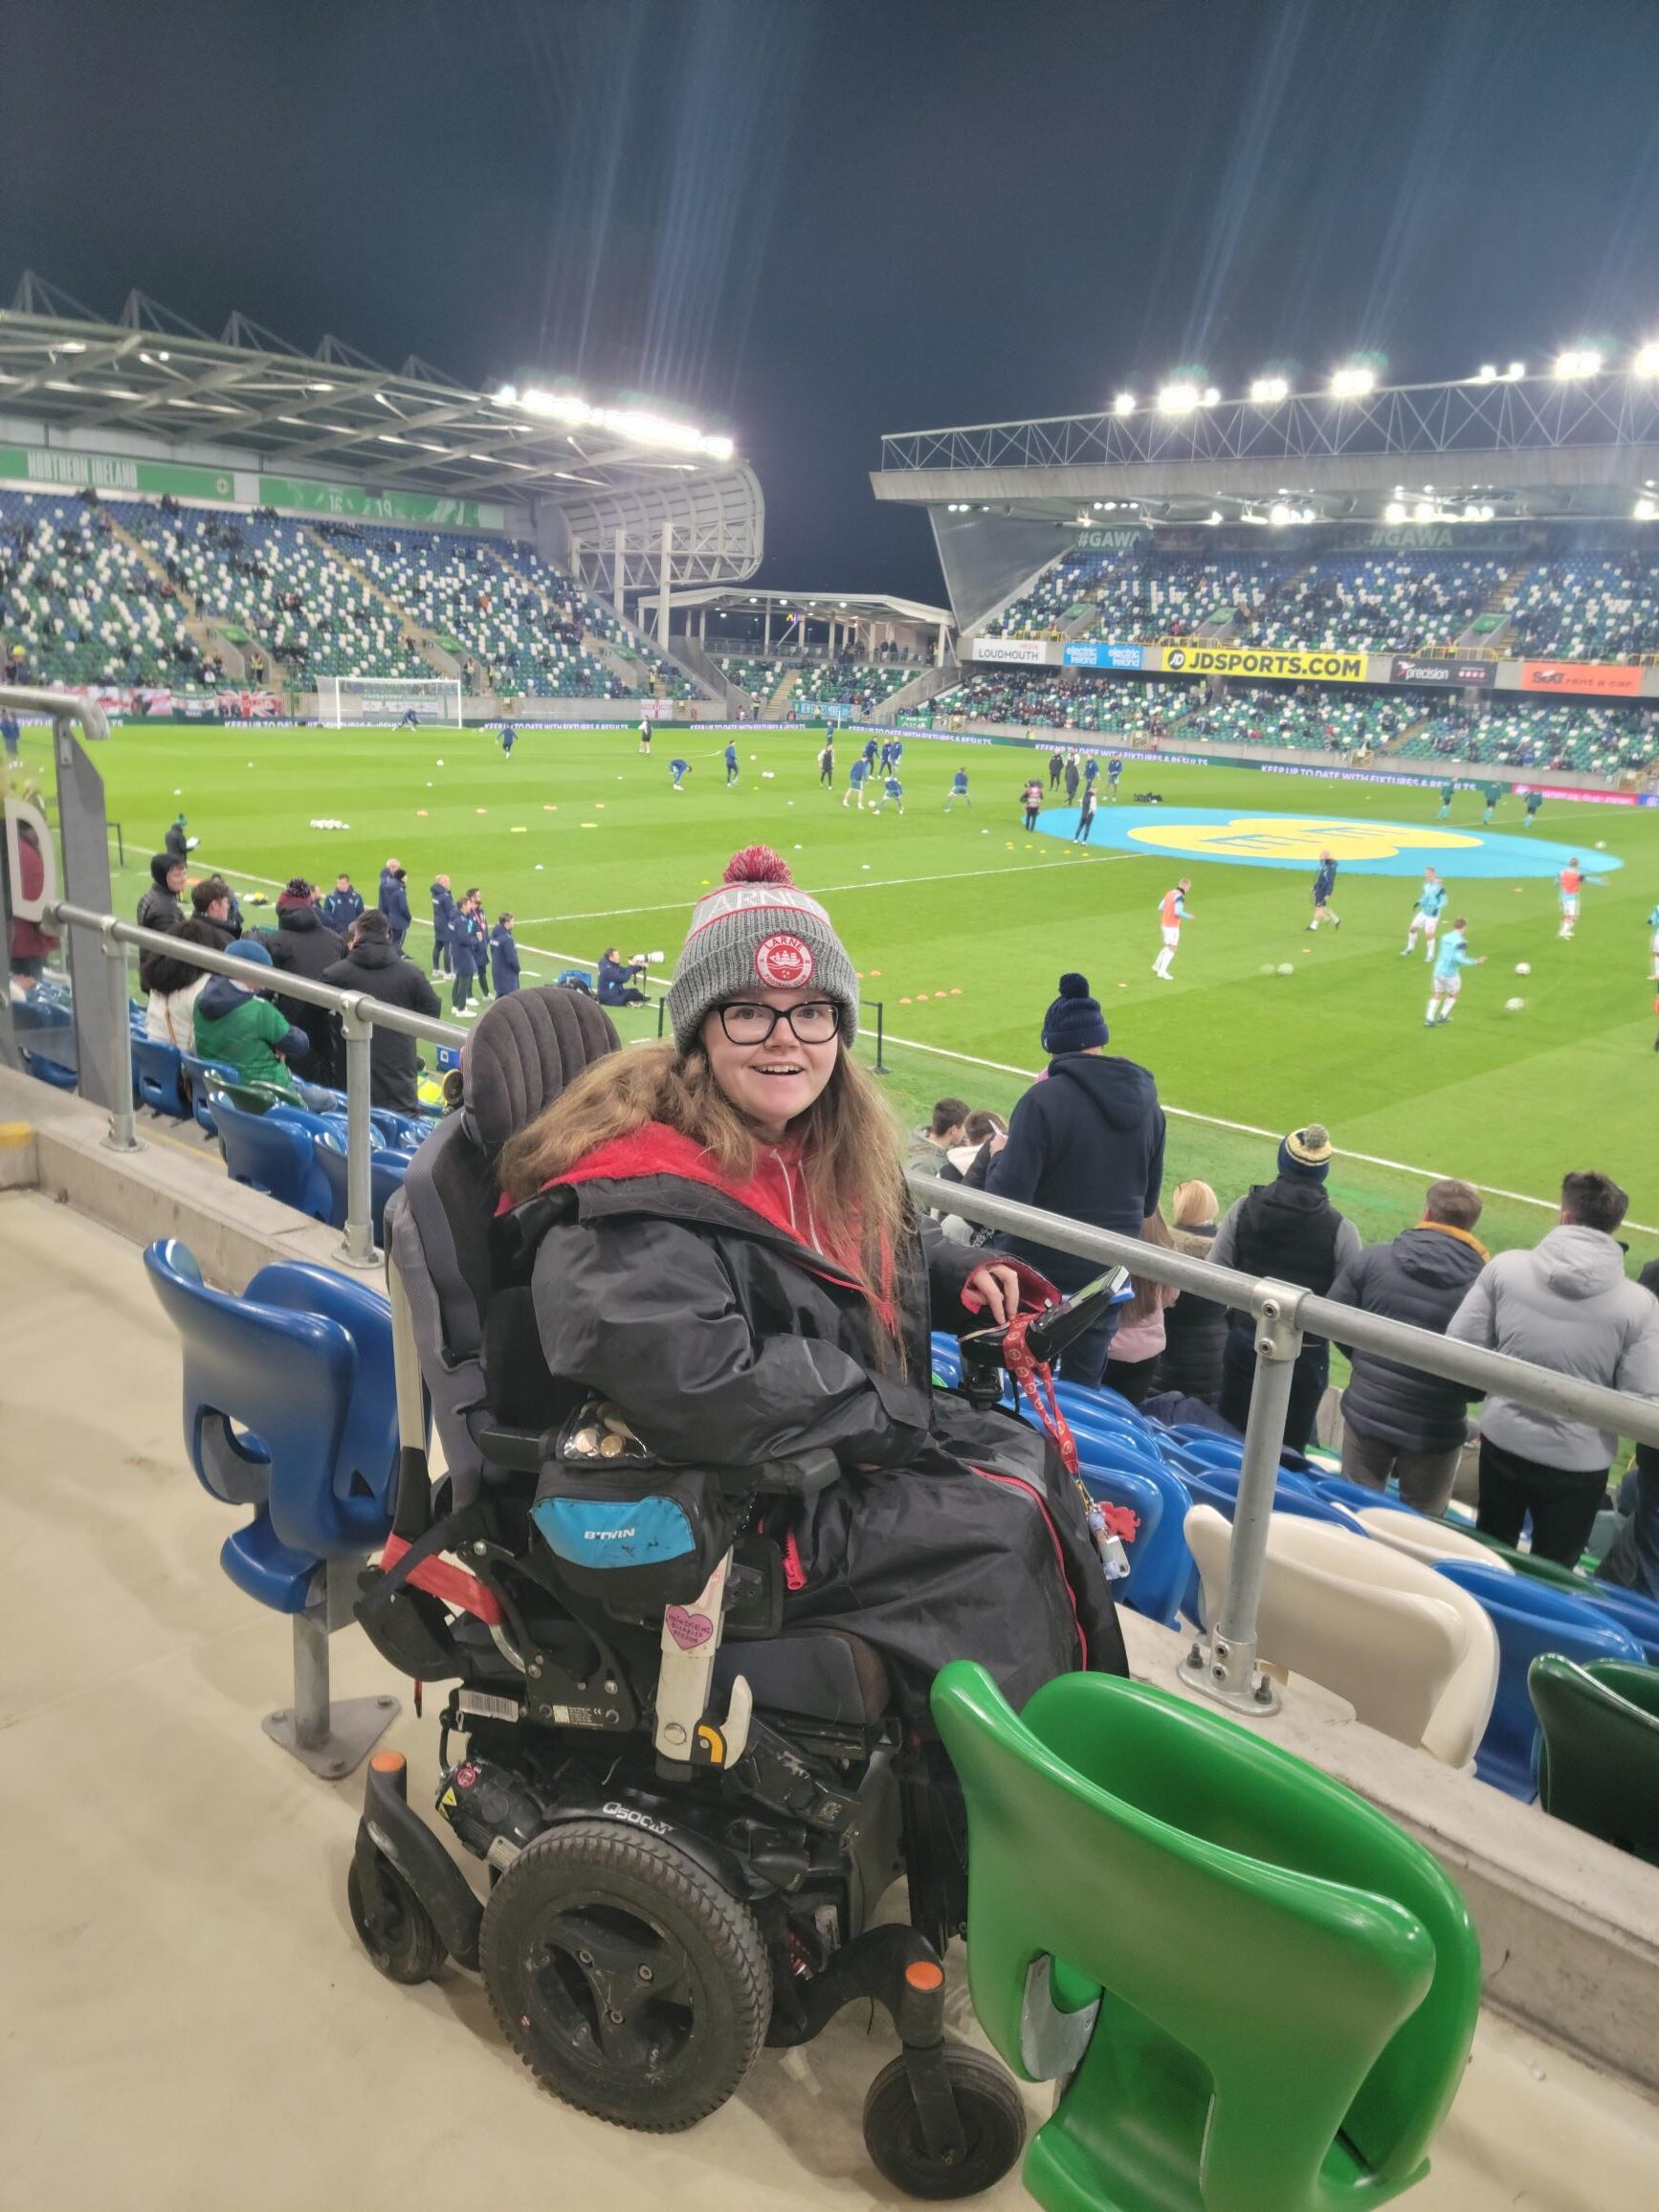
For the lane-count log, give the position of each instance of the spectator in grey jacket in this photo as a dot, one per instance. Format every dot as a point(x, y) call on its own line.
point(1566, 1304)
point(1396, 1419)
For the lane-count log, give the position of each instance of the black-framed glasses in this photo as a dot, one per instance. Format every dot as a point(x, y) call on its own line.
point(814, 1021)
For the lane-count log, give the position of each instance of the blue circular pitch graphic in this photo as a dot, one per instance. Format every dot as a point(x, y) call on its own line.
point(1242, 839)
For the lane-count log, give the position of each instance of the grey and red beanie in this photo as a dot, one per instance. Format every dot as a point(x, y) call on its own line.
point(757, 931)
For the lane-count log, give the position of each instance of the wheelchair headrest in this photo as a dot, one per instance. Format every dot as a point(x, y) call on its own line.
point(523, 1054)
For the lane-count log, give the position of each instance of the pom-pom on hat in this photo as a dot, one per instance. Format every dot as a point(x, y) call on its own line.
point(1074, 1022)
point(756, 931)
point(1306, 1153)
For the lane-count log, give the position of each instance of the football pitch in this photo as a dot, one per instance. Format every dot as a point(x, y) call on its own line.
point(962, 922)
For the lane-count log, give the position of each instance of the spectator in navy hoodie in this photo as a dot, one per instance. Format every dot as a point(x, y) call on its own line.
point(503, 956)
point(1088, 1141)
point(393, 902)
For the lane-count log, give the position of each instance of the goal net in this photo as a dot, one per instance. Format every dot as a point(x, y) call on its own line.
point(386, 699)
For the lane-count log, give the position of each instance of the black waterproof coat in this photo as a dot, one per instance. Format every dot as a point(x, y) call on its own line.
point(949, 1534)
point(380, 971)
point(1420, 1278)
point(305, 946)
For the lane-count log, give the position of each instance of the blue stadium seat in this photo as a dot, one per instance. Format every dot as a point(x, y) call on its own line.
point(1530, 1618)
point(158, 1077)
point(268, 1152)
point(1632, 1611)
point(290, 1406)
point(386, 1173)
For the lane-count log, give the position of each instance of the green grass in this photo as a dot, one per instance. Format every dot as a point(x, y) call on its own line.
point(961, 924)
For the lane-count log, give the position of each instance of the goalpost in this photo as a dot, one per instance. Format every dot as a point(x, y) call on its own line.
point(343, 700)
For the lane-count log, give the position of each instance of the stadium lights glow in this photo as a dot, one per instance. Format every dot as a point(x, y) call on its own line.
point(1579, 360)
point(1486, 373)
point(1645, 510)
point(1179, 399)
point(1123, 404)
point(1424, 511)
point(633, 423)
point(1269, 391)
point(1647, 361)
point(1353, 383)
point(71, 345)
point(1394, 512)
point(1279, 513)
point(1513, 373)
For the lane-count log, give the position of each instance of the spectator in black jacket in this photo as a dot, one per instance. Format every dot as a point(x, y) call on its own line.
point(1289, 1230)
point(213, 901)
point(969, 1163)
point(159, 908)
point(1194, 1328)
point(393, 902)
point(304, 947)
point(374, 965)
point(1087, 1142)
point(1397, 1421)
point(177, 843)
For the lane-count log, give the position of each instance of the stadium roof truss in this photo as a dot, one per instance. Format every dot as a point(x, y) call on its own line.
point(153, 375)
point(1541, 446)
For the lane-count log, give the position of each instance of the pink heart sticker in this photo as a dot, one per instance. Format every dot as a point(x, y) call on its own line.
point(688, 1629)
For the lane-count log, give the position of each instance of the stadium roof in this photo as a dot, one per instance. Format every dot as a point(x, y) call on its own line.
point(1576, 447)
point(820, 604)
point(153, 373)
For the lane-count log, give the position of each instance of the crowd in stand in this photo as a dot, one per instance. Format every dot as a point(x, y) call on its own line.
point(101, 591)
point(1088, 1141)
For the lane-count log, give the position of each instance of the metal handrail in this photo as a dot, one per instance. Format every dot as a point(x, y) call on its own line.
point(1224, 1662)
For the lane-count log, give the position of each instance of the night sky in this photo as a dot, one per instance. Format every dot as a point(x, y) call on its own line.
point(810, 221)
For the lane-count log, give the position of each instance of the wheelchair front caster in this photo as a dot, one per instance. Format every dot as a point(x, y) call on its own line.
point(977, 2150)
point(395, 1928)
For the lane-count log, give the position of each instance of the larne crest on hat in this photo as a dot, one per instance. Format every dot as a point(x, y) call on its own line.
point(784, 961)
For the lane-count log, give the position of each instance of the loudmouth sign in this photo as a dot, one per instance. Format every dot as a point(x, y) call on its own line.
point(1407, 668)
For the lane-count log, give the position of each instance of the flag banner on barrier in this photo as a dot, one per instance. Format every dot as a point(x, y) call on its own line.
point(1407, 668)
point(1285, 665)
point(1091, 653)
point(1606, 678)
point(1591, 798)
point(1012, 649)
point(249, 706)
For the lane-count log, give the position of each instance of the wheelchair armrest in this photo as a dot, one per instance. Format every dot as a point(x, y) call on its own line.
point(520, 1450)
point(804, 1477)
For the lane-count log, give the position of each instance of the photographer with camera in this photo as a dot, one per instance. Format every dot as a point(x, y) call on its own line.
point(616, 984)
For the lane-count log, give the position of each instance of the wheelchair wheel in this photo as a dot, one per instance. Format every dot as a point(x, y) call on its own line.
point(628, 1981)
point(396, 1930)
point(993, 2121)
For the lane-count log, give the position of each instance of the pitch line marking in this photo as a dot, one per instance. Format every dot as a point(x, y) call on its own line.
point(1028, 1074)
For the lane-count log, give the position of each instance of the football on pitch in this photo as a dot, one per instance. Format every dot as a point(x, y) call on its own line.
point(1523, 968)
point(1513, 1006)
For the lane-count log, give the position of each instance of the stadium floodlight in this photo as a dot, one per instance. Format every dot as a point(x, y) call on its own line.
point(1578, 361)
point(1179, 399)
point(636, 424)
point(1486, 373)
point(1394, 512)
point(1513, 373)
point(1211, 396)
point(1425, 511)
point(1279, 513)
point(1646, 509)
point(1123, 404)
point(1647, 361)
point(1269, 391)
point(1353, 383)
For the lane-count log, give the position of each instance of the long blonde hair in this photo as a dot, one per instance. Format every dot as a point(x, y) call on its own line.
point(848, 1144)
point(1150, 1296)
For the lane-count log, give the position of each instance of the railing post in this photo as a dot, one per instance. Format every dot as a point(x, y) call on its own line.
point(880, 1067)
point(122, 1138)
point(357, 1249)
point(1227, 1668)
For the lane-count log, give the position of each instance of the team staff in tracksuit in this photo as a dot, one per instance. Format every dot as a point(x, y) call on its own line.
point(393, 901)
point(503, 956)
point(443, 900)
point(467, 942)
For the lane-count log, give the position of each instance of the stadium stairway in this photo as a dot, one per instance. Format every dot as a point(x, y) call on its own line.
point(923, 686)
point(201, 629)
point(733, 699)
point(778, 705)
point(1482, 633)
point(438, 658)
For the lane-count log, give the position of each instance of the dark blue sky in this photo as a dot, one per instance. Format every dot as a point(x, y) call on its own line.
point(815, 220)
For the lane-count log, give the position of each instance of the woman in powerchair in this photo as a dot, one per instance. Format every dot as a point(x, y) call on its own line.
point(724, 1249)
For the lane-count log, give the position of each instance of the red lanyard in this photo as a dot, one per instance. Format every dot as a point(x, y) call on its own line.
point(1036, 1384)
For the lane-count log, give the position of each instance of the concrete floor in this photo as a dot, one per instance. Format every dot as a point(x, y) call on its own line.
point(186, 2021)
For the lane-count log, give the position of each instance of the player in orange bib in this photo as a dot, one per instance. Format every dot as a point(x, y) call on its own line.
point(1171, 914)
point(1571, 883)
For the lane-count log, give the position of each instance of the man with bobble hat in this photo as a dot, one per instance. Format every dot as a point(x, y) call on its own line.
point(1087, 1141)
